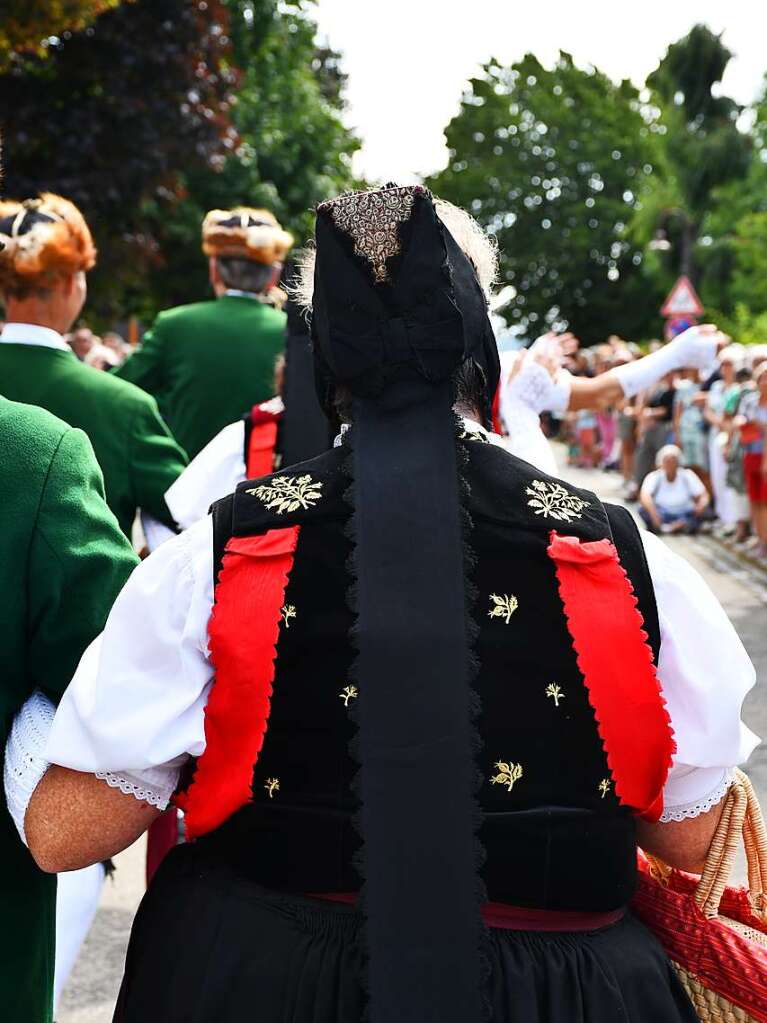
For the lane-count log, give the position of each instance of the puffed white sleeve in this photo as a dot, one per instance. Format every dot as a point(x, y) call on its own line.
point(134, 711)
point(213, 473)
point(705, 674)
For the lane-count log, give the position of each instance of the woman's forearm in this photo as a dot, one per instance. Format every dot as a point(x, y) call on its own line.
point(75, 819)
point(595, 393)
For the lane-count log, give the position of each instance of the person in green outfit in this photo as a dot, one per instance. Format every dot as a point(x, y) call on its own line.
point(64, 559)
point(47, 252)
point(207, 361)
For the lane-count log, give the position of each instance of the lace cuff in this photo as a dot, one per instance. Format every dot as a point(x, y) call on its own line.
point(700, 806)
point(25, 762)
point(155, 785)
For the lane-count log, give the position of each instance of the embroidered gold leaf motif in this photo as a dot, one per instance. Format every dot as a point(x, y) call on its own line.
point(555, 692)
point(287, 613)
point(553, 501)
point(604, 786)
point(348, 693)
point(504, 606)
point(272, 785)
point(508, 774)
point(288, 493)
point(482, 438)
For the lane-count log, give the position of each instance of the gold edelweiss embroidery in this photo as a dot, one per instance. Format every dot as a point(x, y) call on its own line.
point(555, 692)
point(554, 501)
point(504, 606)
point(604, 786)
point(508, 774)
point(287, 613)
point(348, 693)
point(272, 785)
point(288, 493)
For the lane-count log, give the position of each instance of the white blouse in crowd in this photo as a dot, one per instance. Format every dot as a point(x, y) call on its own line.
point(135, 709)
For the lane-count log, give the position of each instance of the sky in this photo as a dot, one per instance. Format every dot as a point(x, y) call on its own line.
point(408, 60)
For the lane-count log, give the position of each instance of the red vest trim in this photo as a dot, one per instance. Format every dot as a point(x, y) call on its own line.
point(616, 661)
point(263, 440)
point(243, 633)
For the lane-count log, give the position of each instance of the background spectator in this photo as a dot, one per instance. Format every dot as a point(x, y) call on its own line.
point(672, 498)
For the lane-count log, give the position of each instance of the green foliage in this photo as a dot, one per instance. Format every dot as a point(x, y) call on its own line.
point(743, 324)
point(109, 117)
point(163, 109)
point(27, 25)
point(293, 149)
point(552, 163)
point(701, 148)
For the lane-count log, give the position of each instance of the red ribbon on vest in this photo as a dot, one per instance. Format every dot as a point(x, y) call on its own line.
point(616, 661)
point(243, 633)
point(263, 439)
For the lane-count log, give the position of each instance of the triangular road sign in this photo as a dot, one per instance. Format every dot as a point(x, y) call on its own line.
point(682, 301)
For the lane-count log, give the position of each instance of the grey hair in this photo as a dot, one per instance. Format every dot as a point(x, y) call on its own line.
point(666, 451)
point(480, 249)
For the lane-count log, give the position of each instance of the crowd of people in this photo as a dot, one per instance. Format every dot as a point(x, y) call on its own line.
point(691, 450)
point(302, 694)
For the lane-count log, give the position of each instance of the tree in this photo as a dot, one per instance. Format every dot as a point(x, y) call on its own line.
point(110, 116)
point(551, 162)
point(28, 25)
point(293, 149)
point(701, 149)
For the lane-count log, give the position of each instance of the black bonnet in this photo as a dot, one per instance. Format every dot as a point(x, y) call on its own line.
point(395, 297)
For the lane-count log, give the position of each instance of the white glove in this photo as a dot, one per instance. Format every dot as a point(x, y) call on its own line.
point(694, 348)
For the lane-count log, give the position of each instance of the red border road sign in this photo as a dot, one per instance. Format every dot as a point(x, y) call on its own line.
point(682, 300)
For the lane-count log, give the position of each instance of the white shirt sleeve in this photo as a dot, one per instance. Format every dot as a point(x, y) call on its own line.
point(694, 483)
point(136, 702)
point(705, 673)
point(213, 473)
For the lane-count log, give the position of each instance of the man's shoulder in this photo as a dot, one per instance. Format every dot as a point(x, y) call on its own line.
point(181, 314)
point(106, 387)
point(30, 430)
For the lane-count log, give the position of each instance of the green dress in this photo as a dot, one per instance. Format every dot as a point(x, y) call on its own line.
point(63, 561)
point(137, 454)
point(208, 363)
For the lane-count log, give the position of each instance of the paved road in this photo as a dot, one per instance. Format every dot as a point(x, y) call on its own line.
point(90, 995)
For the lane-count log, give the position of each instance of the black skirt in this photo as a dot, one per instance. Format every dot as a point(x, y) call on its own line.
point(211, 947)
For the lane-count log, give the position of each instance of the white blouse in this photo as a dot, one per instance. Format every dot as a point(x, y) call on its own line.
point(135, 708)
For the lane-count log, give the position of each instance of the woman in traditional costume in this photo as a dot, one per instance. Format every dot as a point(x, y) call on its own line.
point(439, 699)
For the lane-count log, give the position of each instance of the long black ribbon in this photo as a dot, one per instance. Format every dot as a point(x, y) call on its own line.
point(415, 721)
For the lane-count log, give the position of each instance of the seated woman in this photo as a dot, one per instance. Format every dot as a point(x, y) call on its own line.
point(423, 728)
point(672, 498)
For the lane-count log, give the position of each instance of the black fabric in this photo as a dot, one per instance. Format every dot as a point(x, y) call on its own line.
point(222, 530)
point(663, 398)
point(633, 558)
point(304, 428)
point(209, 946)
point(553, 841)
point(395, 339)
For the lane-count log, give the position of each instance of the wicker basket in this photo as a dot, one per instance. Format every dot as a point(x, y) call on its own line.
point(716, 936)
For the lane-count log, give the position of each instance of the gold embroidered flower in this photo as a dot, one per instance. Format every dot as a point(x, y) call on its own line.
point(508, 774)
point(348, 693)
point(288, 493)
point(553, 501)
point(555, 692)
point(287, 613)
point(272, 785)
point(503, 606)
point(604, 786)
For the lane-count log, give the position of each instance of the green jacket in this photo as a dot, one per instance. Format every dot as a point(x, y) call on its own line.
point(137, 454)
point(208, 363)
point(63, 561)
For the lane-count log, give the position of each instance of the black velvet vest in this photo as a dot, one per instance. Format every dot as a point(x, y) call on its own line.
point(554, 834)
